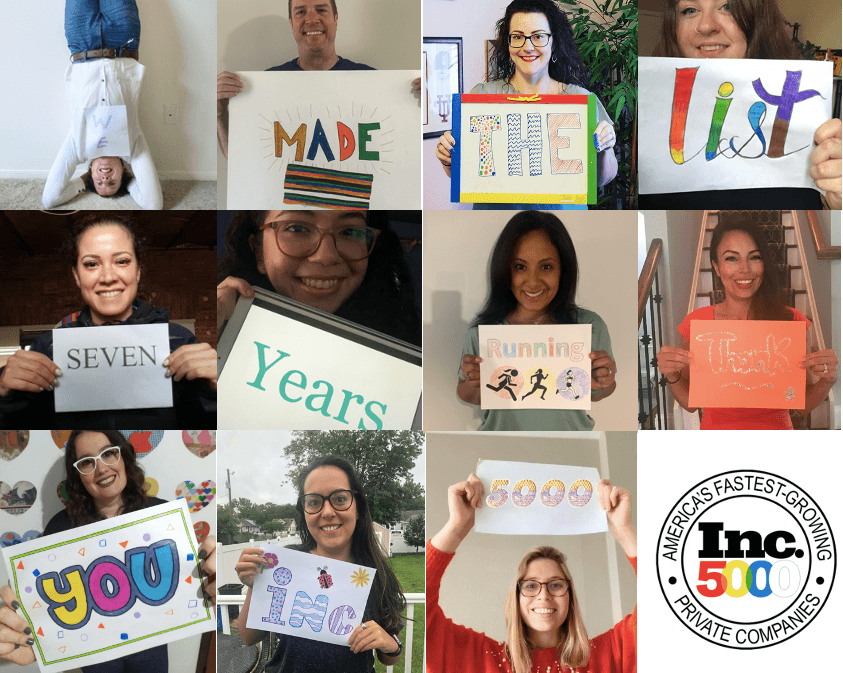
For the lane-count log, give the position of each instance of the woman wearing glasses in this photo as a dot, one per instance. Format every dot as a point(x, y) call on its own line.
point(535, 54)
point(334, 521)
point(103, 480)
point(545, 631)
point(104, 253)
point(343, 262)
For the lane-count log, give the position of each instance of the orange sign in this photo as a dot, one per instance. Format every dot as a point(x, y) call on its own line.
point(747, 364)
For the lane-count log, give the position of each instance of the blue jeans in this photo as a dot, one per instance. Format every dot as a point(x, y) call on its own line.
point(101, 24)
point(154, 659)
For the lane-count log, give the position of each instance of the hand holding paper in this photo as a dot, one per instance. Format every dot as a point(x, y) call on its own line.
point(13, 637)
point(603, 369)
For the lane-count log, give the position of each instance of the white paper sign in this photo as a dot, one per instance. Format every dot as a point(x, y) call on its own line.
point(112, 367)
point(340, 140)
point(729, 123)
point(284, 374)
point(309, 596)
point(535, 367)
point(538, 499)
point(106, 132)
point(111, 588)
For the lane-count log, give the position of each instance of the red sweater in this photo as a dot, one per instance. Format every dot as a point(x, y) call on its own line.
point(452, 648)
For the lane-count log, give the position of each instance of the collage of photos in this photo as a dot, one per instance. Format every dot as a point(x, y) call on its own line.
point(434, 439)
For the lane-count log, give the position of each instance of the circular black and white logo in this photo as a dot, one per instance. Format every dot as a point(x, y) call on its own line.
point(746, 559)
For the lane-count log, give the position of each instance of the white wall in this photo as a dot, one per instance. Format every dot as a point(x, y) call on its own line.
point(485, 564)
point(256, 35)
point(177, 49)
point(458, 248)
point(42, 464)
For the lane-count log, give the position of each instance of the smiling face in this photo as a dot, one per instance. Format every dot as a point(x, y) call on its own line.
point(543, 615)
point(107, 272)
point(107, 482)
point(739, 265)
point(331, 529)
point(314, 25)
point(324, 280)
point(531, 62)
point(535, 269)
point(707, 29)
point(107, 172)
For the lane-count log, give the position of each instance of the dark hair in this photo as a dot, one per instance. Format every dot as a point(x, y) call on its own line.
point(124, 181)
point(501, 301)
point(384, 301)
point(568, 67)
point(365, 549)
point(768, 302)
point(290, 7)
point(761, 22)
point(80, 505)
point(97, 219)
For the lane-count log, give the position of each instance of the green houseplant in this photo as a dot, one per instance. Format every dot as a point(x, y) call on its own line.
point(606, 35)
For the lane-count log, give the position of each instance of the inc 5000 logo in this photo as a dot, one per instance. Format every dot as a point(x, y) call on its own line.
point(746, 559)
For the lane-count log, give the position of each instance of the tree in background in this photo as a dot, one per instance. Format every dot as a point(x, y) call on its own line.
point(413, 498)
point(226, 526)
point(274, 527)
point(414, 532)
point(383, 461)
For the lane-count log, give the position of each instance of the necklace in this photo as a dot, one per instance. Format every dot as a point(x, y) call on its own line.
point(543, 319)
point(560, 88)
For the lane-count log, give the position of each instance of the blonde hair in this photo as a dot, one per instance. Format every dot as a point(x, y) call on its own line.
point(573, 649)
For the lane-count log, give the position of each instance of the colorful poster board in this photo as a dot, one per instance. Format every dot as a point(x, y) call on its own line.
point(309, 596)
point(337, 140)
point(535, 367)
point(538, 499)
point(111, 588)
point(524, 149)
point(747, 364)
point(729, 123)
point(290, 367)
point(112, 367)
point(106, 132)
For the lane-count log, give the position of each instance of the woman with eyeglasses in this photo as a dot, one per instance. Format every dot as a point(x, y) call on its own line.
point(535, 54)
point(348, 263)
point(545, 631)
point(103, 480)
point(104, 255)
point(334, 521)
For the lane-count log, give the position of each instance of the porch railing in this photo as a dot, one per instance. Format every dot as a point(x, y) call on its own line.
point(652, 393)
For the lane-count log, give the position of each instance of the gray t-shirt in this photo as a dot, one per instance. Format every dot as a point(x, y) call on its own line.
point(542, 419)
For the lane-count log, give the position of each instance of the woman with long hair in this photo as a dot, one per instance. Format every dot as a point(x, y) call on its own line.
point(533, 281)
point(745, 29)
point(334, 521)
point(347, 263)
point(103, 479)
point(544, 627)
point(752, 287)
point(535, 54)
point(104, 254)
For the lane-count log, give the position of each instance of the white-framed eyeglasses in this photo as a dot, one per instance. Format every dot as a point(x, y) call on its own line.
point(109, 456)
point(517, 40)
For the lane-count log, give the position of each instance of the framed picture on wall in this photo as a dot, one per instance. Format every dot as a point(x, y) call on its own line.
point(491, 66)
point(441, 78)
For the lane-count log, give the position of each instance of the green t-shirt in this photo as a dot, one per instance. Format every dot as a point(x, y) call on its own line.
point(542, 419)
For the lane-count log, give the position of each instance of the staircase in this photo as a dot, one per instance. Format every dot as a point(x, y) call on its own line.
point(786, 237)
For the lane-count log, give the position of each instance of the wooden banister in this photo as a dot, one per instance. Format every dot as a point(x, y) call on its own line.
point(648, 273)
point(824, 250)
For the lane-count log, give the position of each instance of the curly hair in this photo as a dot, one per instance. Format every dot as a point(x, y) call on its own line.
point(364, 545)
point(768, 303)
point(566, 66)
point(761, 22)
point(502, 302)
point(385, 299)
point(125, 179)
point(81, 508)
point(573, 649)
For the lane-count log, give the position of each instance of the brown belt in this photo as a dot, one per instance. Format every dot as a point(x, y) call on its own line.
point(103, 53)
